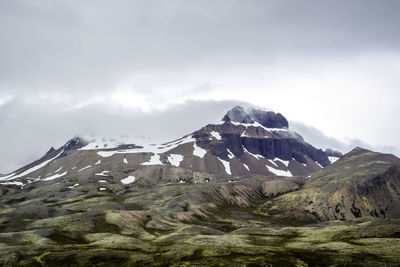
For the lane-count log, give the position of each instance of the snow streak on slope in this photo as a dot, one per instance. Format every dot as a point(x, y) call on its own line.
point(13, 183)
point(54, 176)
point(279, 172)
point(230, 154)
point(148, 148)
point(254, 155)
point(37, 167)
point(256, 124)
point(84, 168)
point(285, 162)
point(247, 167)
point(6, 176)
point(226, 165)
point(103, 173)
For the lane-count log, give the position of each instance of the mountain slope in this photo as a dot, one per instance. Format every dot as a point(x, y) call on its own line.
point(245, 142)
point(177, 224)
point(108, 202)
point(361, 184)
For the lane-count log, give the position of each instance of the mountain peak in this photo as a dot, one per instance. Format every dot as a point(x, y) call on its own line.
point(237, 114)
point(268, 119)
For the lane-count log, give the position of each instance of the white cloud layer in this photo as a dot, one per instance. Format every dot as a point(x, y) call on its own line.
point(69, 67)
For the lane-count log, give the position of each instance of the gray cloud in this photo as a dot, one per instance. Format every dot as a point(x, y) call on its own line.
point(92, 66)
point(94, 45)
point(320, 140)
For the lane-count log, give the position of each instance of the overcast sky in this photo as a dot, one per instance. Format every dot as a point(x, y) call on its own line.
point(162, 68)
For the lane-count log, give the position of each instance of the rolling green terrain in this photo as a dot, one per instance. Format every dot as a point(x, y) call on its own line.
point(251, 221)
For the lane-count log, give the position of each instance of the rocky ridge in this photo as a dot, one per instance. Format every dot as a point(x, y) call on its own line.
point(245, 142)
point(193, 201)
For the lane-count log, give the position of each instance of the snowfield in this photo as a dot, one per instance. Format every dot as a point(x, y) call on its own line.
point(175, 159)
point(198, 151)
point(128, 180)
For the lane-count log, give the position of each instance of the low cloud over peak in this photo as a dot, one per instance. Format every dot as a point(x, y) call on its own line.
point(93, 66)
point(50, 125)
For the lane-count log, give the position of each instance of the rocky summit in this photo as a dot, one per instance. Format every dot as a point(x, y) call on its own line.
point(246, 191)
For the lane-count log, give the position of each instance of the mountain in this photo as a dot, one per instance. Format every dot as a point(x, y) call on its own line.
point(193, 201)
point(360, 184)
point(246, 141)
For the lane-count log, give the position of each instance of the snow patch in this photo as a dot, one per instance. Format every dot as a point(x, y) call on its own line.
point(254, 155)
point(247, 167)
point(54, 176)
point(102, 189)
point(128, 180)
point(106, 154)
point(125, 161)
point(175, 159)
point(279, 172)
point(230, 154)
point(154, 160)
point(102, 181)
point(98, 162)
point(333, 159)
point(285, 162)
point(256, 124)
point(103, 173)
point(226, 165)
point(59, 169)
point(198, 151)
point(273, 163)
point(150, 148)
point(73, 186)
point(216, 135)
point(84, 168)
point(13, 183)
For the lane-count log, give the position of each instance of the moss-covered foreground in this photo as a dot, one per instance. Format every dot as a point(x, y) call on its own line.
point(183, 225)
point(373, 243)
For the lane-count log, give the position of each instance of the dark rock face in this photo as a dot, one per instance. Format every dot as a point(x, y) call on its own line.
point(237, 114)
point(333, 153)
point(51, 150)
point(73, 144)
point(285, 149)
point(283, 145)
point(268, 119)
